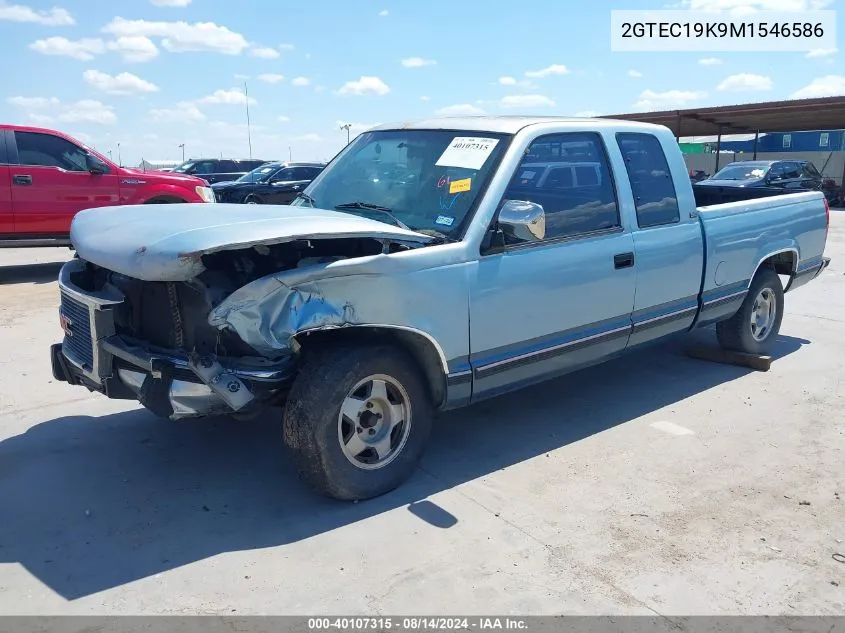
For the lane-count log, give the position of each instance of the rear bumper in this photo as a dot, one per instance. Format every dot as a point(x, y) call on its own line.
point(170, 384)
point(825, 263)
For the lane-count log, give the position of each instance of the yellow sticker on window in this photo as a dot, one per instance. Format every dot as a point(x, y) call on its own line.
point(457, 186)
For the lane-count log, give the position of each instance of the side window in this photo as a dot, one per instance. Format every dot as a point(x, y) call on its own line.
point(546, 177)
point(777, 171)
point(205, 167)
point(651, 182)
point(4, 157)
point(810, 171)
point(313, 172)
point(284, 175)
point(792, 170)
point(824, 139)
point(230, 167)
point(46, 150)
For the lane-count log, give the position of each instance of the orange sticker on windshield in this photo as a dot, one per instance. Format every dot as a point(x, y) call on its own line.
point(457, 186)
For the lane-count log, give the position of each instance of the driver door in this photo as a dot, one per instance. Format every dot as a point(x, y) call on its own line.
point(286, 185)
point(51, 184)
point(543, 308)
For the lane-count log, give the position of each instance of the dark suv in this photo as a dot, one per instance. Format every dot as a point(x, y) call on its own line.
point(757, 178)
point(272, 183)
point(218, 169)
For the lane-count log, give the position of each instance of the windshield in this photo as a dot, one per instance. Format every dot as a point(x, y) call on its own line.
point(427, 179)
point(181, 169)
point(260, 174)
point(742, 172)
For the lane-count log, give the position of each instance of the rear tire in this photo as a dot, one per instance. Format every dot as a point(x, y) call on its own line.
point(357, 420)
point(252, 199)
point(755, 326)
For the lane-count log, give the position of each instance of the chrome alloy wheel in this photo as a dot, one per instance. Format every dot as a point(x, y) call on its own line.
point(374, 422)
point(763, 314)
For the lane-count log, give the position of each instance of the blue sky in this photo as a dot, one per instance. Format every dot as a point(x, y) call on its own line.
point(151, 74)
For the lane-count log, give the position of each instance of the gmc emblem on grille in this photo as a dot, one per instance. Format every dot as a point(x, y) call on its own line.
point(65, 323)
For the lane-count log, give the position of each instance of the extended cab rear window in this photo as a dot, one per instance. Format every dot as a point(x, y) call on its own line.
point(651, 183)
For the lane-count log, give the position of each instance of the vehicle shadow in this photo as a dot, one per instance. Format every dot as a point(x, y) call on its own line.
point(93, 503)
point(44, 273)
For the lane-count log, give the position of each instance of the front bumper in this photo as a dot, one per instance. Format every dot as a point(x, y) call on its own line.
point(171, 384)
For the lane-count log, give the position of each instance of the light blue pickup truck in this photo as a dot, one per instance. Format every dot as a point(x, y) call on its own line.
point(431, 265)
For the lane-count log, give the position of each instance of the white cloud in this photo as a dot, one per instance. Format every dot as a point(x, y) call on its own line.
point(548, 71)
point(23, 13)
point(171, 3)
point(828, 86)
point(87, 111)
point(122, 84)
point(365, 85)
point(587, 113)
point(418, 62)
point(507, 81)
point(746, 82)
point(649, 99)
point(271, 78)
point(283, 119)
point(710, 61)
point(233, 96)
point(740, 7)
point(460, 109)
point(301, 82)
point(822, 52)
point(526, 101)
point(425, 98)
point(83, 50)
point(35, 103)
point(184, 112)
point(264, 52)
point(182, 37)
point(384, 13)
point(41, 119)
point(309, 138)
point(286, 47)
point(634, 73)
point(136, 48)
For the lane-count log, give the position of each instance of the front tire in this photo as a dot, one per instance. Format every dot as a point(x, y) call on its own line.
point(755, 326)
point(252, 199)
point(357, 420)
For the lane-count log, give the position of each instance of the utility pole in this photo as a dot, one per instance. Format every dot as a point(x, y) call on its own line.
point(119, 161)
point(346, 127)
point(248, 130)
point(290, 154)
point(182, 145)
point(110, 158)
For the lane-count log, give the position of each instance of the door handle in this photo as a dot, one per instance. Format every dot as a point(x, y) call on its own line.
point(22, 179)
point(623, 260)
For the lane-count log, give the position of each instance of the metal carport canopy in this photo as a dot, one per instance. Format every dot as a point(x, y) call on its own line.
point(796, 115)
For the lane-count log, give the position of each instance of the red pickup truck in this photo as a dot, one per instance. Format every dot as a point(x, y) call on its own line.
point(46, 177)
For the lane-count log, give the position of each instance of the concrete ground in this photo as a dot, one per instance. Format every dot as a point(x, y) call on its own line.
point(651, 484)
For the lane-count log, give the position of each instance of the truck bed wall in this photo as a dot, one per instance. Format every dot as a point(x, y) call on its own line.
point(740, 235)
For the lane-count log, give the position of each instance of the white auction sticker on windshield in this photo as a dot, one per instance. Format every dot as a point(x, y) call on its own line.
point(467, 152)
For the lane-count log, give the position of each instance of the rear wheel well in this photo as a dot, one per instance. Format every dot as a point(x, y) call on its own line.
point(421, 349)
point(164, 200)
point(782, 263)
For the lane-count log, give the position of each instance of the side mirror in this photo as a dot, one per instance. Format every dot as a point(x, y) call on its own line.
point(522, 220)
point(95, 165)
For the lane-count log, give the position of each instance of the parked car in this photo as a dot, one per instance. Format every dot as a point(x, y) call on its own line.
point(218, 169)
point(46, 177)
point(372, 302)
point(747, 179)
point(272, 183)
point(696, 175)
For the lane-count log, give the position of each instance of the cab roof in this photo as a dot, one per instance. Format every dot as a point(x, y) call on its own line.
point(508, 124)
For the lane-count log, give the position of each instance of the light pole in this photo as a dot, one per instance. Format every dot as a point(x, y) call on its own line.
point(119, 161)
point(290, 154)
point(110, 158)
point(182, 146)
point(346, 127)
point(248, 131)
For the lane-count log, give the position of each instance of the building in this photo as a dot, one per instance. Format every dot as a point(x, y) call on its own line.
point(820, 141)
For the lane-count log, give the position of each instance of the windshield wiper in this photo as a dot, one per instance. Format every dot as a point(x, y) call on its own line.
point(305, 197)
point(366, 206)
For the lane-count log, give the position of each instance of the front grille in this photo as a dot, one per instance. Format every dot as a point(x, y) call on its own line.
point(77, 344)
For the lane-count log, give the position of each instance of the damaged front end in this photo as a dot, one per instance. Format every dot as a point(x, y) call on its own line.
point(150, 341)
point(200, 345)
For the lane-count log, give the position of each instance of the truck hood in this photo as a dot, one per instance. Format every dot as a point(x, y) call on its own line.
point(165, 242)
point(164, 177)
